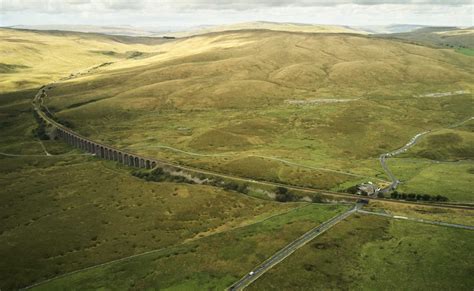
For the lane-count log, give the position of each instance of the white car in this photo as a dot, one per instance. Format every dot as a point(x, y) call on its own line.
point(251, 273)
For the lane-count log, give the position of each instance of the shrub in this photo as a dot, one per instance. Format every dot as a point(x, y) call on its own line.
point(284, 195)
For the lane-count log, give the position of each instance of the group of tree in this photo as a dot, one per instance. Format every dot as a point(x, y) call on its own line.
point(352, 189)
point(40, 130)
point(61, 121)
point(282, 194)
point(417, 197)
point(160, 175)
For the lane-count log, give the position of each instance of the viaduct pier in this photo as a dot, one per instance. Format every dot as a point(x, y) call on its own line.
point(95, 148)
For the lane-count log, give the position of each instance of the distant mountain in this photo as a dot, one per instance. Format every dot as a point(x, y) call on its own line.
point(453, 37)
point(266, 25)
point(111, 30)
point(393, 28)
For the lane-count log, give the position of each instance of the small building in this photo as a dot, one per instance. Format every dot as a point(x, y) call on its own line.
point(368, 189)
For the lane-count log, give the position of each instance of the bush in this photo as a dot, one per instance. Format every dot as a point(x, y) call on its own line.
point(352, 189)
point(40, 131)
point(284, 195)
point(160, 175)
point(417, 197)
point(316, 199)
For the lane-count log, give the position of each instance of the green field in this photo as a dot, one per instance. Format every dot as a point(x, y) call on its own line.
point(214, 262)
point(373, 253)
point(466, 51)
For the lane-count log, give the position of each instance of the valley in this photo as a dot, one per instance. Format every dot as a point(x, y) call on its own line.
point(216, 107)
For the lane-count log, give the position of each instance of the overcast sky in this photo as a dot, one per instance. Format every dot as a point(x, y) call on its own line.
point(185, 13)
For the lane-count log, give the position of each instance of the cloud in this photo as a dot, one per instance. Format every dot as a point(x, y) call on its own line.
point(185, 13)
point(58, 6)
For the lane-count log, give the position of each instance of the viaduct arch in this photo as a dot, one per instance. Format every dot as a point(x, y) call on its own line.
point(98, 149)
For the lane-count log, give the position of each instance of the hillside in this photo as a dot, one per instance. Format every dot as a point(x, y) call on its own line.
point(239, 102)
point(110, 30)
point(274, 26)
point(392, 28)
point(258, 68)
point(451, 37)
point(31, 58)
point(266, 112)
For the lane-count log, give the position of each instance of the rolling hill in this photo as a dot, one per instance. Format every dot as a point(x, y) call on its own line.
point(304, 109)
point(451, 37)
point(31, 58)
point(247, 99)
point(266, 25)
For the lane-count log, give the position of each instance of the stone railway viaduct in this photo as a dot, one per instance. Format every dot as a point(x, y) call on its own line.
point(100, 150)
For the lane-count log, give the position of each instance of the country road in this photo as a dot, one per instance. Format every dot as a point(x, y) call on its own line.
point(411, 143)
point(291, 248)
point(383, 158)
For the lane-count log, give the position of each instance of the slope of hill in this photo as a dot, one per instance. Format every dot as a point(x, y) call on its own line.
point(110, 30)
point(32, 58)
point(276, 26)
point(240, 102)
point(393, 28)
point(452, 37)
point(264, 67)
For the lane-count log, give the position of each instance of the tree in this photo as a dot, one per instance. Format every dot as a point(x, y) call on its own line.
point(281, 190)
point(282, 194)
point(352, 189)
point(316, 199)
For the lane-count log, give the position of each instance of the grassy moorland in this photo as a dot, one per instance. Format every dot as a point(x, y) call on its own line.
point(214, 262)
point(60, 214)
point(372, 253)
point(267, 25)
point(32, 58)
point(326, 104)
point(460, 38)
point(306, 109)
point(68, 211)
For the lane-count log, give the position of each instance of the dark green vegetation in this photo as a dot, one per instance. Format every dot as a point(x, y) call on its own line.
point(214, 262)
point(417, 197)
point(373, 253)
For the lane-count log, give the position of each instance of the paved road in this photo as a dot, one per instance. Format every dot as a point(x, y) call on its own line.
point(291, 248)
point(433, 222)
